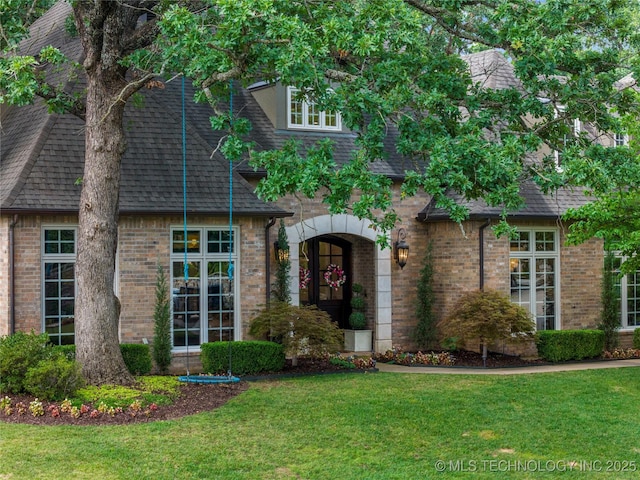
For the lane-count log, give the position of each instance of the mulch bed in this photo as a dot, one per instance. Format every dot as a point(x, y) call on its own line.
point(193, 398)
point(465, 358)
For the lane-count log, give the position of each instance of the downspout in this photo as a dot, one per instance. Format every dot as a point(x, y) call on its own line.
point(12, 277)
point(481, 250)
point(267, 255)
point(481, 260)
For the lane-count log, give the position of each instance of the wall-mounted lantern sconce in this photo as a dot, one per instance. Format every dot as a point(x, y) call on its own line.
point(401, 248)
point(282, 254)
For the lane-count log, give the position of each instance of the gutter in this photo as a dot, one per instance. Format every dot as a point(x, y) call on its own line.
point(481, 250)
point(12, 277)
point(267, 255)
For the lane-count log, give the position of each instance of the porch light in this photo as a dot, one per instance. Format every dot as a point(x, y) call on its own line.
point(282, 254)
point(401, 248)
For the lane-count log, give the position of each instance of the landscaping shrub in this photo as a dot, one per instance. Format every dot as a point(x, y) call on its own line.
point(137, 357)
point(357, 318)
point(18, 353)
point(68, 351)
point(304, 330)
point(610, 300)
point(563, 345)
point(487, 316)
point(426, 334)
point(281, 289)
point(247, 357)
point(54, 378)
point(162, 324)
point(636, 338)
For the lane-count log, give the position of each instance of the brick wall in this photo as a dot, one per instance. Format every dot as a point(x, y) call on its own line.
point(456, 267)
point(5, 290)
point(145, 241)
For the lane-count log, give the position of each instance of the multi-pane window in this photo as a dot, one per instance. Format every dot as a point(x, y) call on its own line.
point(59, 284)
point(204, 298)
point(304, 113)
point(621, 140)
point(628, 289)
point(533, 263)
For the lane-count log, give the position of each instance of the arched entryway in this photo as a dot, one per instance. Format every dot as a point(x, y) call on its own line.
point(327, 255)
point(347, 225)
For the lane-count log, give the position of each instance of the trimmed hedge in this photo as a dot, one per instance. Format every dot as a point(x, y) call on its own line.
point(636, 338)
point(563, 345)
point(247, 357)
point(137, 356)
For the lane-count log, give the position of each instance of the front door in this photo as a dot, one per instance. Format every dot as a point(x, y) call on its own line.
point(325, 276)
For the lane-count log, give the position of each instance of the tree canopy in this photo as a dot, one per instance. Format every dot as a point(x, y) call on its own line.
point(393, 68)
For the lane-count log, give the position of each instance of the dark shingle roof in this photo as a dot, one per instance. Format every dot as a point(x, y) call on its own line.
point(492, 70)
point(42, 156)
point(537, 205)
point(267, 137)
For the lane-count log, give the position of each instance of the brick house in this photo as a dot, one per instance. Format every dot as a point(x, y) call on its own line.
point(41, 159)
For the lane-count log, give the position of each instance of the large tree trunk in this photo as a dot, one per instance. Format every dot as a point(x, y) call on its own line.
point(103, 27)
point(97, 307)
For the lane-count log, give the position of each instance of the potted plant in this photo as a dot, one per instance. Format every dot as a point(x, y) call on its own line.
point(358, 338)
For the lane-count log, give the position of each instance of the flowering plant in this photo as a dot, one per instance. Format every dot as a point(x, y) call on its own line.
point(305, 277)
point(340, 276)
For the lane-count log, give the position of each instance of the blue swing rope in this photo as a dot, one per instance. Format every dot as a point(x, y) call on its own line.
point(230, 268)
point(188, 378)
point(184, 222)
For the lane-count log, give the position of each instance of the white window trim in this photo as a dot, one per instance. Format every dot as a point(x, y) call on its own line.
point(55, 258)
point(291, 92)
point(531, 254)
point(625, 139)
point(576, 128)
point(624, 326)
point(202, 256)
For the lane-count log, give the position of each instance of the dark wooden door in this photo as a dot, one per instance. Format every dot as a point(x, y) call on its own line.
point(316, 255)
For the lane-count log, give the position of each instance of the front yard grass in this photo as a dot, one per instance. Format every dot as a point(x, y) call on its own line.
point(375, 426)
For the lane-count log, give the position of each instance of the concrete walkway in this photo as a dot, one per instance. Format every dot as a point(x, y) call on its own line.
point(566, 367)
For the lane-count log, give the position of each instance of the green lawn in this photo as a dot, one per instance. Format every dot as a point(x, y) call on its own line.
point(373, 426)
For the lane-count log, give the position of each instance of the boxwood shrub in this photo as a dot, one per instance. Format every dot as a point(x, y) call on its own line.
point(636, 338)
point(563, 345)
point(247, 357)
point(137, 356)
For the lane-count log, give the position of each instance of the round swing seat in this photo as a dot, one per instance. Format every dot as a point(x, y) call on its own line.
point(208, 379)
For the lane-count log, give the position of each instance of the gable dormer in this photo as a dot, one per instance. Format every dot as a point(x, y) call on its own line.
point(290, 110)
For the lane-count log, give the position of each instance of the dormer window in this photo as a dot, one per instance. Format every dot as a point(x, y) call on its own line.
point(621, 140)
point(576, 128)
point(303, 113)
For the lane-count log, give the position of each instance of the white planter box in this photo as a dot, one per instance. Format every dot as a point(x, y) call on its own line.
point(357, 340)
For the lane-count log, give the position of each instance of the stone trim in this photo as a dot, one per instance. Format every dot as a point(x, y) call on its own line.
point(348, 224)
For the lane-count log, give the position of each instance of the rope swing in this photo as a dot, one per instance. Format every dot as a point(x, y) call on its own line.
point(229, 378)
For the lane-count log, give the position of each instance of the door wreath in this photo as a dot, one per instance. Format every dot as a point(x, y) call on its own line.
point(340, 277)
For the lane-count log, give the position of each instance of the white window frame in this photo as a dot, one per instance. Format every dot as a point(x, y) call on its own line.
point(532, 255)
point(56, 258)
point(203, 257)
point(576, 128)
point(622, 282)
point(306, 105)
point(620, 140)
